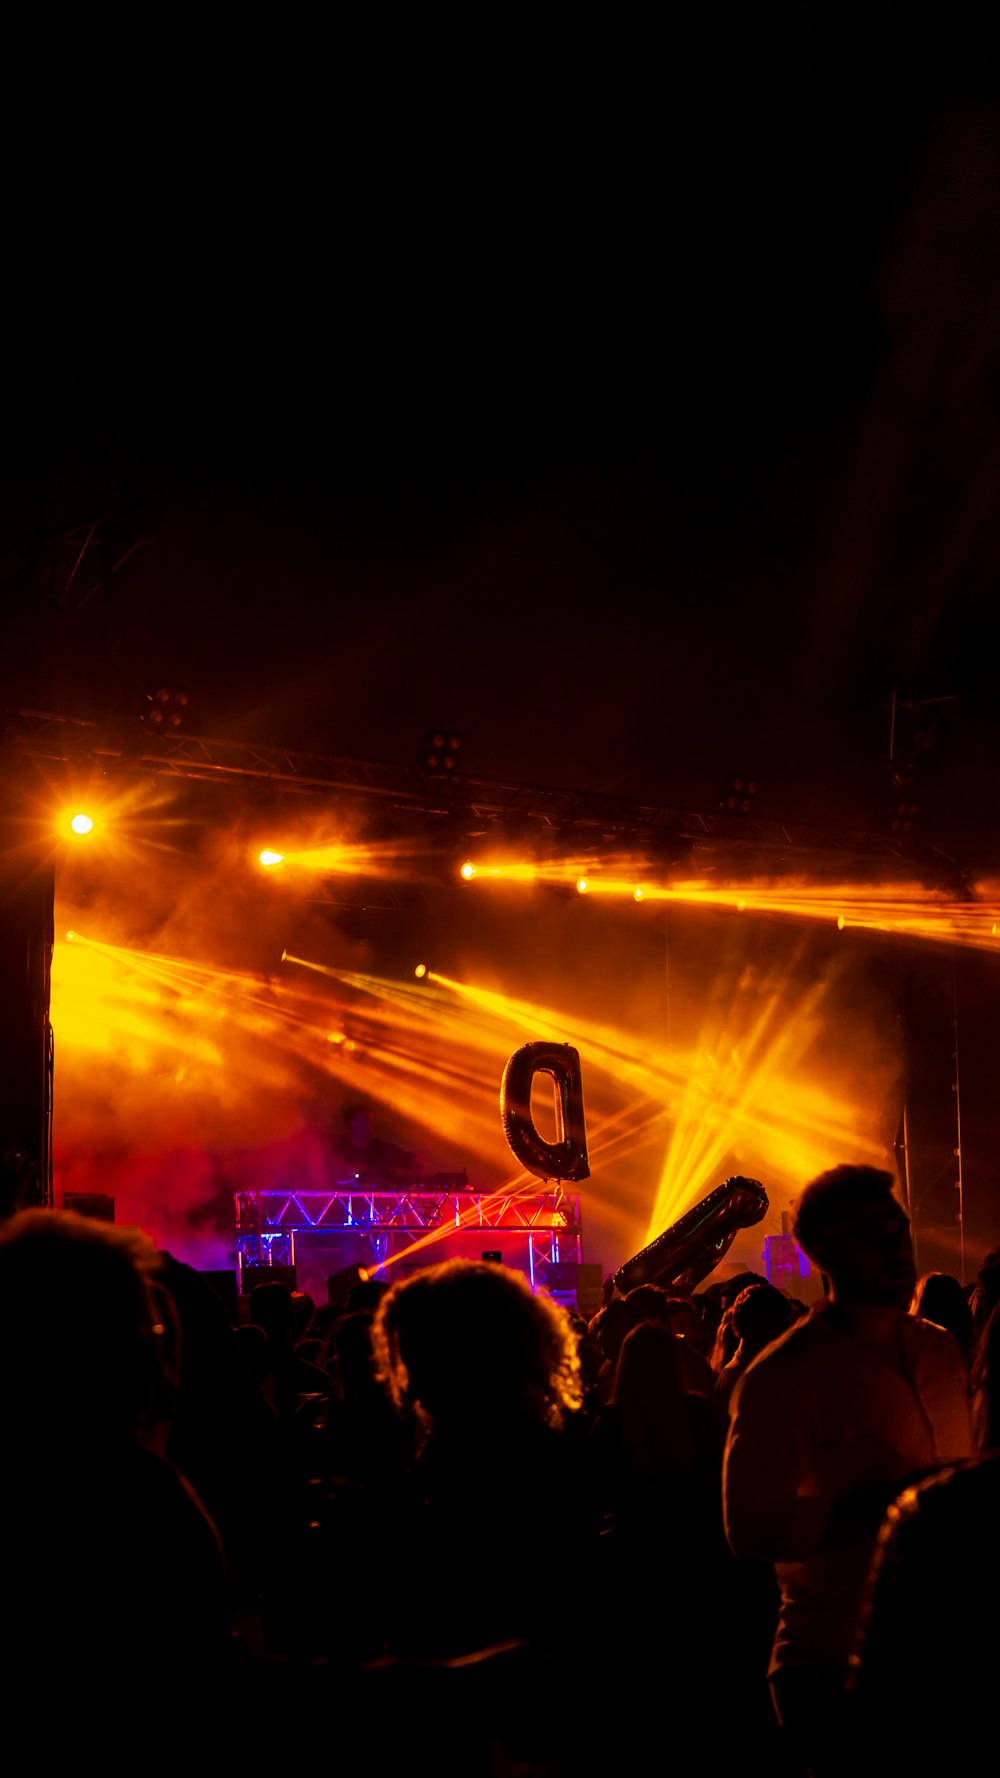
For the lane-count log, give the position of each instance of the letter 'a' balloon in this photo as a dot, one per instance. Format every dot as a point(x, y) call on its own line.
point(566, 1159)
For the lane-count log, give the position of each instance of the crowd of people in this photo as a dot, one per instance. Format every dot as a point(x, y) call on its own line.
point(445, 1523)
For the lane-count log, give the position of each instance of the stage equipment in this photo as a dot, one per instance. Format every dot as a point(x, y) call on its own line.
point(692, 1247)
point(459, 806)
point(27, 896)
point(567, 1158)
point(736, 795)
point(269, 1273)
point(543, 1226)
point(165, 711)
point(439, 750)
point(785, 1265)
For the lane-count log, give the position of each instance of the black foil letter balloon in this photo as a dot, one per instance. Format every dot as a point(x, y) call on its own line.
point(567, 1158)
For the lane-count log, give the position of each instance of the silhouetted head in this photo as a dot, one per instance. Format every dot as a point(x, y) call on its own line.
point(365, 1296)
point(468, 1341)
point(851, 1224)
point(91, 1367)
point(985, 1377)
point(353, 1349)
point(758, 1316)
point(609, 1328)
point(939, 1297)
point(272, 1308)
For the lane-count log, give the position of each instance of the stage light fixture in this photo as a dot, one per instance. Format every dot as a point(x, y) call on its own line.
point(81, 824)
point(638, 894)
point(165, 711)
point(737, 794)
point(268, 858)
point(468, 871)
point(420, 971)
point(582, 885)
point(902, 817)
point(439, 750)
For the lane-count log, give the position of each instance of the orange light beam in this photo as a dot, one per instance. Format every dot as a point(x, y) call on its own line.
point(904, 910)
point(746, 1093)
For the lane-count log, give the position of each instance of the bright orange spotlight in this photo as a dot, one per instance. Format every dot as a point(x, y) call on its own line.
point(272, 857)
point(468, 871)
point(420, 971)
point(82, 824)
point(582, 885)
point(639, 894)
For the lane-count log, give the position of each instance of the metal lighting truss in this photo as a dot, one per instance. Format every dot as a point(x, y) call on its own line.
point(392, 1219)
point(702, 837)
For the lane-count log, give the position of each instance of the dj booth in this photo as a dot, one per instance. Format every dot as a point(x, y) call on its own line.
point(535, 1229)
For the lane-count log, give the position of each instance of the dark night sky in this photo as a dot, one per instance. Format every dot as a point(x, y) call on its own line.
point(635, 415)
point(643, 425)
point(628, 402)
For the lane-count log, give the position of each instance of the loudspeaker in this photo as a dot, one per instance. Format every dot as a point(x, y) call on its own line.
point(268, 1275)
point(96, 1204)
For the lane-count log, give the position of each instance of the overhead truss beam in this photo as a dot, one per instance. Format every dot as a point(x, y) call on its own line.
point(80, 744)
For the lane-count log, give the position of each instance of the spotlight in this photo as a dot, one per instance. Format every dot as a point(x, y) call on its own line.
point(267, 858)
point(82, 824)
point(468, 870)
point(420, 971)
point(902, 817)
point(439, 750)
point(638, 894)
point(582, 885)
point(165, 711)
point(736, 795)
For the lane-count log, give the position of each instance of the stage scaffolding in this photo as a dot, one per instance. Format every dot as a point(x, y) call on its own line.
point(545, 1220)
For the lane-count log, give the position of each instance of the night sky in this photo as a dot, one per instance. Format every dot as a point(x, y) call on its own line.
point(628, 403)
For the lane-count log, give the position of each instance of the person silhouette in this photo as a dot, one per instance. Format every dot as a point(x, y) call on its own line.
point(855, 1401)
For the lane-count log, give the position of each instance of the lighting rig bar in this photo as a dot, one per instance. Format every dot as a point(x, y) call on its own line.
point(391, 1221)
point(73, 741)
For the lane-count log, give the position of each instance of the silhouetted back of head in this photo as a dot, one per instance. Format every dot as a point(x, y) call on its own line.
point(647, 1302)
point(467, 1341)
point(833, 1198)
point(79, 1331)
point(651, 1403)
point(610, 1328)
point(759, 1315)
point(272, 1308)
point(366, 1295)
point(851, 1224)
point(986, 1384)
point(353, 1348)
point(939, 1297)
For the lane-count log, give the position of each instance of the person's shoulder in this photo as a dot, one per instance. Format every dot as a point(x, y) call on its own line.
point(929, 1338)
point(794, 1345)
point(789, 1356)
